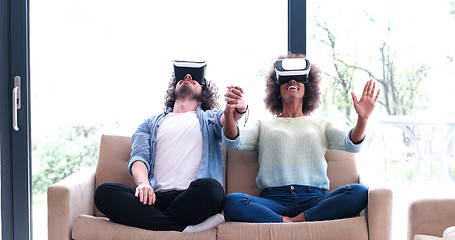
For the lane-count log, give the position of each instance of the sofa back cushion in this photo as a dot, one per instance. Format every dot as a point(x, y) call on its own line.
point(242, 168)
point(240, 171)
point(341, 168)
point(112, 163)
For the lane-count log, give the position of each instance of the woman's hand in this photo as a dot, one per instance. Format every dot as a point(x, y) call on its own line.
point(364, 108)
point(234, 99)
point(145, 194)
point(367, 102)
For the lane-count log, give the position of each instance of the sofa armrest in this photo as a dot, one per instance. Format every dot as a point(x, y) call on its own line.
point(379, 213)
point(430, 216)
point(68, 198)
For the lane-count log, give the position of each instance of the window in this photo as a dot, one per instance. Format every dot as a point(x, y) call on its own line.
point(407, 43)
point(102, 69)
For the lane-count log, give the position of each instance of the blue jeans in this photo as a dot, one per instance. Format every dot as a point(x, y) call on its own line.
point(313, 202)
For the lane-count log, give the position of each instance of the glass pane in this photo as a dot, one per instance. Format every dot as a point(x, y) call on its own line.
point(403, 46)
point(101, 67)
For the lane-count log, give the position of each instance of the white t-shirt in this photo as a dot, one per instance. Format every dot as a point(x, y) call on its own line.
point(178, 151)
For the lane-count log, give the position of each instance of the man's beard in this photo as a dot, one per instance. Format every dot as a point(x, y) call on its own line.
point(186, 92)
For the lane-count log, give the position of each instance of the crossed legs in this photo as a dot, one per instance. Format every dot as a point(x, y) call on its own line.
point(173, 210)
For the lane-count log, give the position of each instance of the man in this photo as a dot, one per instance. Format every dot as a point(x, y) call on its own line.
point(176, 160)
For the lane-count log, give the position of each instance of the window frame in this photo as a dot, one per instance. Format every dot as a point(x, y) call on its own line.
point(15, 146)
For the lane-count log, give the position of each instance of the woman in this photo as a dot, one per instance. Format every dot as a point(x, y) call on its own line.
point(292, 169)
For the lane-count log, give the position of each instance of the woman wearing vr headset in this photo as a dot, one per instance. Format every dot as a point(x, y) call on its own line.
point(292, 169)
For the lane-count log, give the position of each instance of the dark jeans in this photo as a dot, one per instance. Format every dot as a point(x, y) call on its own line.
point(313, 202)
point(173, 210)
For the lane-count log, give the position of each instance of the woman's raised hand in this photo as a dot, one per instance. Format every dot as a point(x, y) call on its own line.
point(365, 106)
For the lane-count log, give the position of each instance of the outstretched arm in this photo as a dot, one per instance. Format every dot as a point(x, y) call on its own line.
point(364, 107)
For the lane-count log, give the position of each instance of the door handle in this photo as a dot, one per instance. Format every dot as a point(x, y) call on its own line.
point(16, 100)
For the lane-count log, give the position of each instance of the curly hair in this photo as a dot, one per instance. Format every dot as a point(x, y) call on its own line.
point(311, 100)
point(209, 98)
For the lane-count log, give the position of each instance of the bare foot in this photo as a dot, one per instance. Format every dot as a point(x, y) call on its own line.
point(286, 219)
point(298, 218)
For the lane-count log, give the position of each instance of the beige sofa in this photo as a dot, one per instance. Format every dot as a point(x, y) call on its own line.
point(72, 214)
point(431, 219)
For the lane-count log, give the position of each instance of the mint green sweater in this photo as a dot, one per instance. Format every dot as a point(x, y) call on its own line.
point(291, 150)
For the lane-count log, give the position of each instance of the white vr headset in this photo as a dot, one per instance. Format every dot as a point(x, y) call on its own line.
point(195, 69)
point(287, 69)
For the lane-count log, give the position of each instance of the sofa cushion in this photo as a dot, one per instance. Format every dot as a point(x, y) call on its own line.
point(88, 227)
point(341, 168)
point(112, 163)
point(349, 229)
point(242, 169)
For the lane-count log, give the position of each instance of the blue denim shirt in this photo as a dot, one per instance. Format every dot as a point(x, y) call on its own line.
point(144, 144)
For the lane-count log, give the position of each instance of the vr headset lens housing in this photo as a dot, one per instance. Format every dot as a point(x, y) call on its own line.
point(292, 68)
point(195, 69)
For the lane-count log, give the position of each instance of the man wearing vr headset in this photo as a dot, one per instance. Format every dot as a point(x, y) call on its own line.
point(176, 159)
point(292, 168)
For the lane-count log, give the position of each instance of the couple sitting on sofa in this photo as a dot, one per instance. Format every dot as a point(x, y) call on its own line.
point(177, 164)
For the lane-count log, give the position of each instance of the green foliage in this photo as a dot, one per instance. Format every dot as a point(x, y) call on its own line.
point(409, 95)
point(453, 7)
point(56, 157)
point(400, 87)
point(400, 171)
point(341, 78)
point(341, 97)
